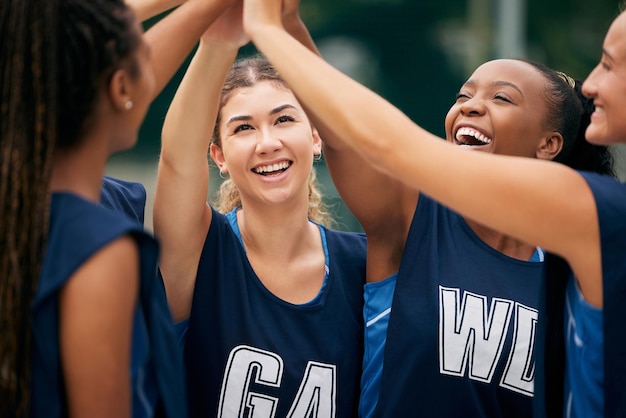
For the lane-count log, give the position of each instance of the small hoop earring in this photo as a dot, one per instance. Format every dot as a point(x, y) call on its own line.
point(222, 176)
point(317, 157)
point(128, 105)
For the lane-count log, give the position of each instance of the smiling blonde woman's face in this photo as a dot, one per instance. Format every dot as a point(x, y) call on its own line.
point(267, 143)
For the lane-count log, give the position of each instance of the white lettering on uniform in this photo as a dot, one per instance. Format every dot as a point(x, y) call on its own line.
point(472, 337)
point(316, 396)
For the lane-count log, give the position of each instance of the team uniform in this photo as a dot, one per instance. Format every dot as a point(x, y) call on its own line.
point(127, 197)
point(461, 330)
point(248, 351)
point(78, 229)
point(592, 381)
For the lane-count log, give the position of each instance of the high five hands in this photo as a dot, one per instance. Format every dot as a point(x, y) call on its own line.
point(258, 14)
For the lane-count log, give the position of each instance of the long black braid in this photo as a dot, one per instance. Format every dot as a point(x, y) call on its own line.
point(54, 57)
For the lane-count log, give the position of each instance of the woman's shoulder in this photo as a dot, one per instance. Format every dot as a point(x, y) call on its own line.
point(80, 228)
point(610, 197)
point(600, 183)
point(124, 196)
point(80, 222)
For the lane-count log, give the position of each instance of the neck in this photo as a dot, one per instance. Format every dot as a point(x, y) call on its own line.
point(280, 232)
point(80, 170)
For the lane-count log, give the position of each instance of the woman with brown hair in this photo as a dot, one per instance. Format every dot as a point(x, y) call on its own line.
point(269, 297)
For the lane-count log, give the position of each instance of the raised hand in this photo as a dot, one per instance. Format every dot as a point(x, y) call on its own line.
point(261, 13)
point(228, 28)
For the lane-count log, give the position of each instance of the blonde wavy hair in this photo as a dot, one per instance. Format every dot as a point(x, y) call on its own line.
point(247, 72)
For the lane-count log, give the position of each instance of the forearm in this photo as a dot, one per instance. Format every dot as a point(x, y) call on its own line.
point(145, 9)
point(183, 173)
point(180, 214)
point(295, 27)
point(173, 37)
point(327, 93)
point(190, 120)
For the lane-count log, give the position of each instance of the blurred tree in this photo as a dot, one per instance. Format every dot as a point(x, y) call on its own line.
point(568, 34)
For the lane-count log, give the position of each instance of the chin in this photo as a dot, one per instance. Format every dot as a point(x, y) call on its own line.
point(596, 137)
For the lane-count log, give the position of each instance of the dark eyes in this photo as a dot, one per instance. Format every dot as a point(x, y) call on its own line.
point(279, 120)
point(242, 127)
point(503, 98)
point(284, 118)
point(463, 97)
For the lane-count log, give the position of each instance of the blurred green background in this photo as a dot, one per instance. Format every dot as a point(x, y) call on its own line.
point(416, 54)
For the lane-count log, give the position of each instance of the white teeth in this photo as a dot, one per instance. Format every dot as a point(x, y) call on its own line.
point(272, 167)
point(473, 133)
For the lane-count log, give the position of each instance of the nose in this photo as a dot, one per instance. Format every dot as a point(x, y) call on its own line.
point(268, 141)
point(472, 106)
point(589, 85)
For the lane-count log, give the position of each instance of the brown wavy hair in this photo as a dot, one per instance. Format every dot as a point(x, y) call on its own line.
point(247, 72)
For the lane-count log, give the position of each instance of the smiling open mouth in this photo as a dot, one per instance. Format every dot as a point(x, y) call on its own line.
point(267, 170)
point(471, 137)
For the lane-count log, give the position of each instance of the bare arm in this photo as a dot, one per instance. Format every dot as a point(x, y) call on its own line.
point(145, 9)
point(181, 214)
point(383, 205)
point(172, 38)
point(96, 316)
point(538, 202)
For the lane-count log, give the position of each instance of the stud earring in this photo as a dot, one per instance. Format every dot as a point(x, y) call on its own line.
point(128, 105)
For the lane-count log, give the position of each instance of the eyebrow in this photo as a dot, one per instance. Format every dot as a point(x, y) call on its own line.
point(607, 55)
point(274, 111)
point(497, 84)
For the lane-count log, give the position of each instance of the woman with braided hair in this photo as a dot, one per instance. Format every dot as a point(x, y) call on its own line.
point(76, 80)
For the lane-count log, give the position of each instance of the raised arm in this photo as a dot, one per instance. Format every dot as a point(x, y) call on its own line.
point(542, 203)
point(145, 9)
point(172, 38)
point(382, 204)
point(181, 214)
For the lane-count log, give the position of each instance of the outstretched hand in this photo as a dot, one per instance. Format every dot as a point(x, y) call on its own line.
point(262, 13)
point(228, 28)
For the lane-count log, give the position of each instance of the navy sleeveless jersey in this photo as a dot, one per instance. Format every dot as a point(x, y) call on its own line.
point(247, 350)
point(124, 196)
point(78, 229)
point(461, 331)
point(610, 198)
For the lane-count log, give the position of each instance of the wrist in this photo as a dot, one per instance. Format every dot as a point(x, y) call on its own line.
point(217, 44)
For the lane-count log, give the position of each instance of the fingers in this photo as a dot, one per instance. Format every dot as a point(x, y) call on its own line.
point(260, 13)
point(228, 28)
